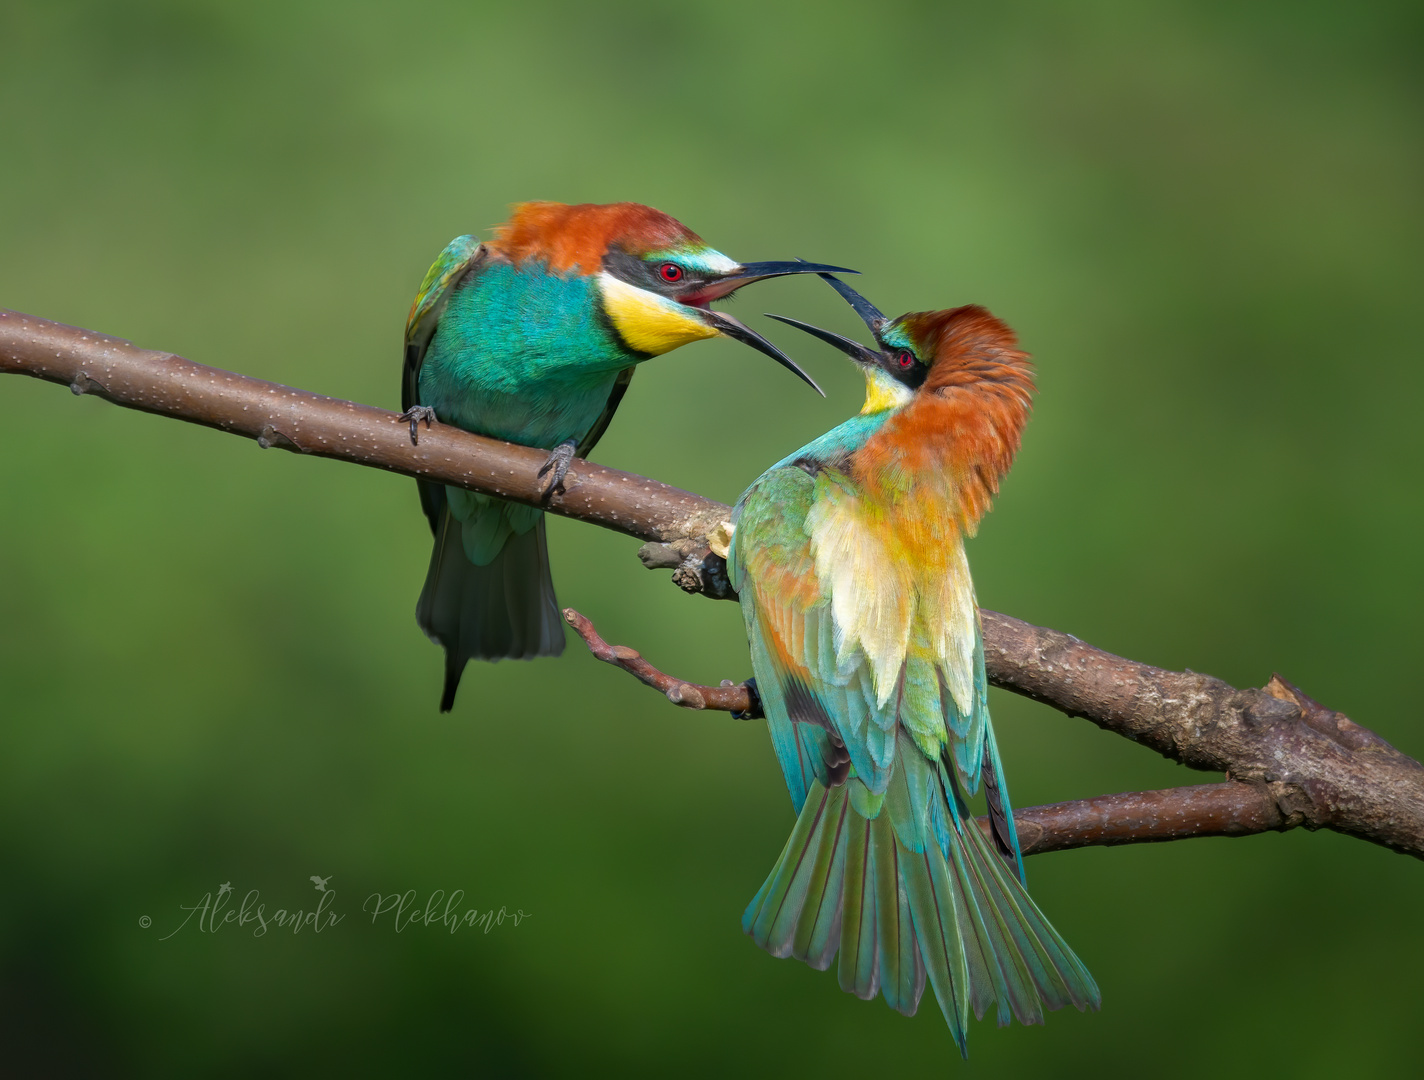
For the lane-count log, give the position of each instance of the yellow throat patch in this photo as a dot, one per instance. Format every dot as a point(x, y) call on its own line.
point(648, 322)
point(883, 392)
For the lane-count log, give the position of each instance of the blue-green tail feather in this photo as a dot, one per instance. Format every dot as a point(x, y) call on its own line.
point(910, 890)
point(502, 609)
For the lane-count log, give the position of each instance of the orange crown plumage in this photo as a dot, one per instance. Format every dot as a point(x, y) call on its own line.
point(566, 237)
point(948, 448)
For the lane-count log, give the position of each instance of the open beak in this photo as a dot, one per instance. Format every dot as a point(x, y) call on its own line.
point(739, 331)
point(868, 312)
point(759, 271)
point(854, 349)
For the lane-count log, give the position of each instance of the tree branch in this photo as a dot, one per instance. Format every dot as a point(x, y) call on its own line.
point(1290, 761)
point(1229, 809)
point(676, 522)
point(1234, 808)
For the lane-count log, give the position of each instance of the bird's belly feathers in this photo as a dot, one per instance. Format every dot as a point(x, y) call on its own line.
point(543, 415)
point(524, 356)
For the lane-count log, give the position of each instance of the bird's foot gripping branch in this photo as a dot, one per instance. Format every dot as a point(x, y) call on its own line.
point(1289, 761)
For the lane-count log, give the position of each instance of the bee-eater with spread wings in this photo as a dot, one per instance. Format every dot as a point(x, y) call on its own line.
point(533, 337)
point(869, 661)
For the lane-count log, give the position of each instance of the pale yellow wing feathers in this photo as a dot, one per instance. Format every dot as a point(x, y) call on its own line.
point(948, 614)
point(872, 593)
point(887, 599)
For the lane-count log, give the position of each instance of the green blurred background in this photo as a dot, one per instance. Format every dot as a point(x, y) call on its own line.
point(1204, 219)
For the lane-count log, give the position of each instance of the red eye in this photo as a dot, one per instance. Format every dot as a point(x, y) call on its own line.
point(905, 358)
point(670, 272)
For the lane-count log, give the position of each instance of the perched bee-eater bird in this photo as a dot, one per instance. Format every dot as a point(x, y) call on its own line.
point(869, 662)
point(533, 337)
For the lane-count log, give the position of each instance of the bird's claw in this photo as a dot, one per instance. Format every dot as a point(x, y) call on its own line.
point(414, 415)
point(754, 711)
point(558, 465)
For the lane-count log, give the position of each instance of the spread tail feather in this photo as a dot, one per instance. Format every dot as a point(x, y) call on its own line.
point(505, 610)
point(956, 915)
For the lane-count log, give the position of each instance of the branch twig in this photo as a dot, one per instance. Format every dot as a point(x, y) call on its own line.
point(1291, 762)
point(725, 698)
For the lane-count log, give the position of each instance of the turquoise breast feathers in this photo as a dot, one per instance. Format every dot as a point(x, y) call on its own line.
point(493, 369)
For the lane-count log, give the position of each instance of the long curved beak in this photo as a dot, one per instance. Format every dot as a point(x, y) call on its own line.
point(854, 349)
point(868, 312)
point(758, 271)
point(734, 328)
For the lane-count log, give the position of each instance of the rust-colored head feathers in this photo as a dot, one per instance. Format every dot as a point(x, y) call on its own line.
point(967, 345)
point(959, 433)
point(566, 238)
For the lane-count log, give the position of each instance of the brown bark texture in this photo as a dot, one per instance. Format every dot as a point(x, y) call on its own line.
point(1289, 761)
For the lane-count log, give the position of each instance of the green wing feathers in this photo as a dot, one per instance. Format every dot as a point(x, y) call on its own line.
point(457, 257)
point(461, 255)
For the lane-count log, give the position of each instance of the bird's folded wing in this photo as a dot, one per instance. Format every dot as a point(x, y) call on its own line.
point(615, 396)
point(461, 255)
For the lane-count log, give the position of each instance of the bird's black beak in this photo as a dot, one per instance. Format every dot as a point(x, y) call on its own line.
point(868, 312)
point(736, 329)
point(759, 271)
point(854, 349)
